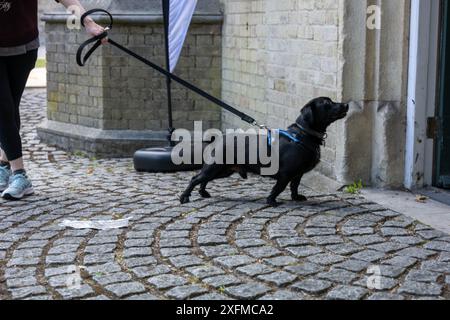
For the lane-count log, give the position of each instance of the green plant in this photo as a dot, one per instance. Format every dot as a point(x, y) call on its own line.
point(80, 154)
point(41, 63)
point(354, 188)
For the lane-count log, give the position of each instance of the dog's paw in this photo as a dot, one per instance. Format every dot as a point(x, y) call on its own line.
point(299, 198)
point(184, 199)
point(273, 203)
point(205, 194)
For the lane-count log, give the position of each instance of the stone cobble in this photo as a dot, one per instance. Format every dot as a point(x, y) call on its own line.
point(232, 246)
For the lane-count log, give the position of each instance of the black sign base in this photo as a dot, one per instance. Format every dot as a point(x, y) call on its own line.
point(159, 160)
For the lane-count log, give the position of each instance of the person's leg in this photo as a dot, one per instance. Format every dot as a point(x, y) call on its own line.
point(5, 171)
point(5, 174)
point(8, 127)
point(19, 68)
point(3, 157)
point(9, 132)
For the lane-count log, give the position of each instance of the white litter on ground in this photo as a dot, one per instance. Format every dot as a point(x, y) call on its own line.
point(97, 225)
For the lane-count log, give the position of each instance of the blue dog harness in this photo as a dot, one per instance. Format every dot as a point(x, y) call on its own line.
point(283, 133)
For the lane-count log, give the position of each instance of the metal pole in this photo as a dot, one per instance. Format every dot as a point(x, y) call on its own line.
point(166, 15)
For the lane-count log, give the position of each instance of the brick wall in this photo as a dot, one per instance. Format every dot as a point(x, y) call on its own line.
point(46, 6)
point(117, 92)
point(277, 55)
point(116, 105)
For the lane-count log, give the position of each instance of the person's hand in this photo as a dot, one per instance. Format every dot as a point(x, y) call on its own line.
point(94, 29)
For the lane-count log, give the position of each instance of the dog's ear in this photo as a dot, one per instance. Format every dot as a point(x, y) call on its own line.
point(308, 114)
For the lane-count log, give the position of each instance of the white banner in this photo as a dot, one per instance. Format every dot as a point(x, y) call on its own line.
point(180, 16)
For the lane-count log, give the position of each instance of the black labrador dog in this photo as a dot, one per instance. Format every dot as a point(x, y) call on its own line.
point(297, 155)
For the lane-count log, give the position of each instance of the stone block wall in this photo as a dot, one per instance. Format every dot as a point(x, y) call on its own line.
point(118, 95)
point(117, 92)
point(278, 55)
point(44, 7)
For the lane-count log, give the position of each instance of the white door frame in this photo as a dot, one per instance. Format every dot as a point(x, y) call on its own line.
point(422, 83)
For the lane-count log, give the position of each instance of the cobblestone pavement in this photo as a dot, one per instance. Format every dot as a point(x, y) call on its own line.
point(231, 246)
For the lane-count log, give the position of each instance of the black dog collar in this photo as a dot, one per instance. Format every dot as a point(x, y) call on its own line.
point(316, 134)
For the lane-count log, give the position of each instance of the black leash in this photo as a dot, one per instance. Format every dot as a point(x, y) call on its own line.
point(97, 40)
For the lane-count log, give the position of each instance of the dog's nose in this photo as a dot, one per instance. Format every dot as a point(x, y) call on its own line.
point(346, 107)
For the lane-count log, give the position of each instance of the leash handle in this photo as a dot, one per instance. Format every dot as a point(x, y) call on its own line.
point(81, 60)
point(90, 12)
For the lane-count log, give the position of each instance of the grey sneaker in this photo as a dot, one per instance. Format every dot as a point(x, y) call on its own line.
point(19, 187)
point(5, 173)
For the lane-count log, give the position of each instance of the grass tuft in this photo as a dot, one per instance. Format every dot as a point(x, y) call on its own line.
point(354, 188)
point(41, 63)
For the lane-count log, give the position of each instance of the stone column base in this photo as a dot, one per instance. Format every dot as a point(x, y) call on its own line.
point(99, 143)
